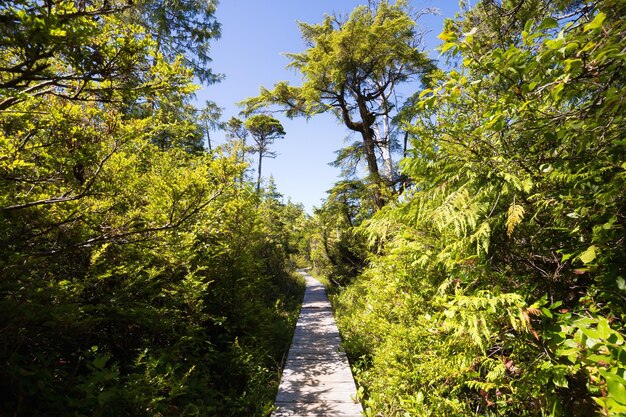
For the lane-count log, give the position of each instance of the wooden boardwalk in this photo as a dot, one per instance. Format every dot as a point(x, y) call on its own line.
point(317, 380)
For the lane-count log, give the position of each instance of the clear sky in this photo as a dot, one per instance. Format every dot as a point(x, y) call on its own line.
point(255, 35)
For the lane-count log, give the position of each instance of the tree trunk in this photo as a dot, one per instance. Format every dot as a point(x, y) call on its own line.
point(386, 148)
point(405, 144)
point(387, 161)
point(372, 166)
point(404, 155)
point(369, 147)
point(243, 161)
point(208, 136)
point(370, 152)
point(258, 180)
point(384, 139)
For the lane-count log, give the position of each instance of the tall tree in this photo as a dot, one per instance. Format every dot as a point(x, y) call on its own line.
point(264, 130)
point(209, 117)
point(351, 69)
point(236, 130)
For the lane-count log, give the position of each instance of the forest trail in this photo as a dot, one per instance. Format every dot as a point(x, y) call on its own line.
point(317, 380)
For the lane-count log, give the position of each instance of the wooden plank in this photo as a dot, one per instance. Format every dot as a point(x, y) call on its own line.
point(317, 380)
point(316, 410)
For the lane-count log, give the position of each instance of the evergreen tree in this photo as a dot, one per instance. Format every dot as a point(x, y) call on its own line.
point(351, 69)
point(264, 130)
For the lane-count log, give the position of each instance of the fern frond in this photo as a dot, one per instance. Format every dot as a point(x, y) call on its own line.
point(515, 217)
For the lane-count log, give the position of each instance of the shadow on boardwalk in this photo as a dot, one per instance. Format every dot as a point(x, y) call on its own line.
point(316, 380)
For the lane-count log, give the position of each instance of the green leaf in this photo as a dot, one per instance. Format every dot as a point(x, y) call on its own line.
point(595, 23)
point(106, 396)
point(560, 381)
point(554, 43)
point(616, 386)
point(424, 92)
point(573, 64)
point(420, 397)
point(58, 32)
point(100, 361)
point(591, 334)
point(589, 255)
point(571, 354)
point(548, 23)
point(604, 330)
point(447, 46)
point(515, 217)
point(595, 360)
point(557, 91)
point(447, 35)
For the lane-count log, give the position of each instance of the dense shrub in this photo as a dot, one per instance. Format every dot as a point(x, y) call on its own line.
point(498, 287)
point(140, 276)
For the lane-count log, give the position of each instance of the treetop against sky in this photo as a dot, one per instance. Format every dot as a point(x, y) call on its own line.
point(250, 53)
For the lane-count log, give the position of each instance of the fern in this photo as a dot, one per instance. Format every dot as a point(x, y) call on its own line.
point(478, 319)
point(515, 217)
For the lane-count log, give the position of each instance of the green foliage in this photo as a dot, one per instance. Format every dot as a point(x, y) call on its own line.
point(351, 69)
point(497, 287)
point(138, 277)
point(182, 28)
point(287, 226)
point(264, 130)
point(337, 248)
point(156, 292)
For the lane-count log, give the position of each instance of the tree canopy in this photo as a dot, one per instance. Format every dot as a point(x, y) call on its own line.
point(264, 130)
point(352, 69)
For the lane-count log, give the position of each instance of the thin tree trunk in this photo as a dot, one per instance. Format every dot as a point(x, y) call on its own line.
point(208, 135)
point(372, 165)
point(386, 149)
point(405, 144)
point(258, 180)
point(385, 140)
point(243, 160)
point(405, 148)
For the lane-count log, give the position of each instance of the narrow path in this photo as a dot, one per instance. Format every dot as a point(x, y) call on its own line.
point(317, 380)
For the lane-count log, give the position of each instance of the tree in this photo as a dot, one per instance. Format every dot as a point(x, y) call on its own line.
point(184, 28)
point(97, 62)
point(264, 130)
point(210, 116)
point(236, 130)
point(338, 250)
point(352, 69)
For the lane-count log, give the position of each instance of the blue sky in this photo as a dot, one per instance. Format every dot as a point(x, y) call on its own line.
point(255, 35)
